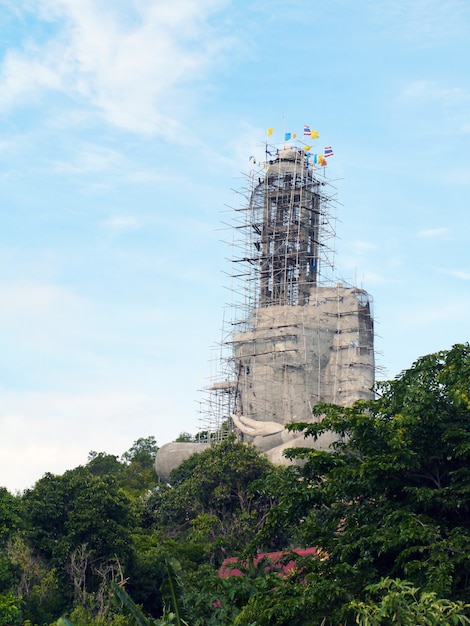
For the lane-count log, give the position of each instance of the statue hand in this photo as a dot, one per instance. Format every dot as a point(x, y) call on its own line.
point(254, 428)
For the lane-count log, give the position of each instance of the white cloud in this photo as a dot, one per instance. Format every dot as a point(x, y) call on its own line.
point(460, 274)
point(151, 176)
point(433, 233)
point(430, 315)
point(425, 23)
point(428, 90)
point(90, 160)
point(130, 70)
point(363, 247)
point(41, 320)
point(458, 174)
point(52, 432)
point(24, 74)
point(121, 223)
point(370, 278)
point(37, 300)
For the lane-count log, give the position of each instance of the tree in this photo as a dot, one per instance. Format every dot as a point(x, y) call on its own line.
point(64, 512)
point(34, 581)
point(184, 437)
point(77, 525)
point(142, 451)
point(10, 522)
point(211, 502)
point(134, 472)
point(103, 464)
point(387, 509)
point(10, 515)
point(136, 615)
point(10, 610)
point(391, 499)
point(399, 603)
point(139, 474)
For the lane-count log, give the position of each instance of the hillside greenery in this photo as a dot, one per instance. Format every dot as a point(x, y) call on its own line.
point(387, 509)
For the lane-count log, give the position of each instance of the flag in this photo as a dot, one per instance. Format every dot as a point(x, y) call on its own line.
point(252, 158)
point(328, 151)
point(322, 160)
point(287, 136)
point(294, 135)
point(314, 134)
point(270, 131)
point(307, 130)
point(307, 148)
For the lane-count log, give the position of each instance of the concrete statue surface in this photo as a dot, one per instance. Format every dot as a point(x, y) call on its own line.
point(300, 340)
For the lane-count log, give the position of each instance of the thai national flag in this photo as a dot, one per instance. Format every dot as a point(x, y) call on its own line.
point(328, 151)
point(307, 130)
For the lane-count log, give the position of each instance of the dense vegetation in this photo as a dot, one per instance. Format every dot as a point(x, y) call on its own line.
point(388, 511)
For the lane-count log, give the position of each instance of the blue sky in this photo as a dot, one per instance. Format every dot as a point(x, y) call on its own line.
point(125, 128)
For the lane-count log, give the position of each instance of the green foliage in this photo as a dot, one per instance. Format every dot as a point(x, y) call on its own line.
point(134, 473)
point(147, 570)
point(393, 602)
point(131, 608)
point(10, 610)
point(65, 512)
point(173, 590)
point(76, 526)
point(82, 616)
point(390, 503)
point(10, 515)
point(212, 503)
point(215, 600)
point(184, 437)
point(392, 498)
point(138, 474)
point(34, 581)
point(206, 436)
point(102, 464)
point(142, 451)
point(137, 616)
point(304, 596)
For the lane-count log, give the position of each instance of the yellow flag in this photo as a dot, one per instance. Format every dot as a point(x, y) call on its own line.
point(307, 148)
point(314, 134)
point(270, 131)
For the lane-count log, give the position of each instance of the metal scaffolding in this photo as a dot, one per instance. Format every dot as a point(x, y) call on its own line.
point(271, 363)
